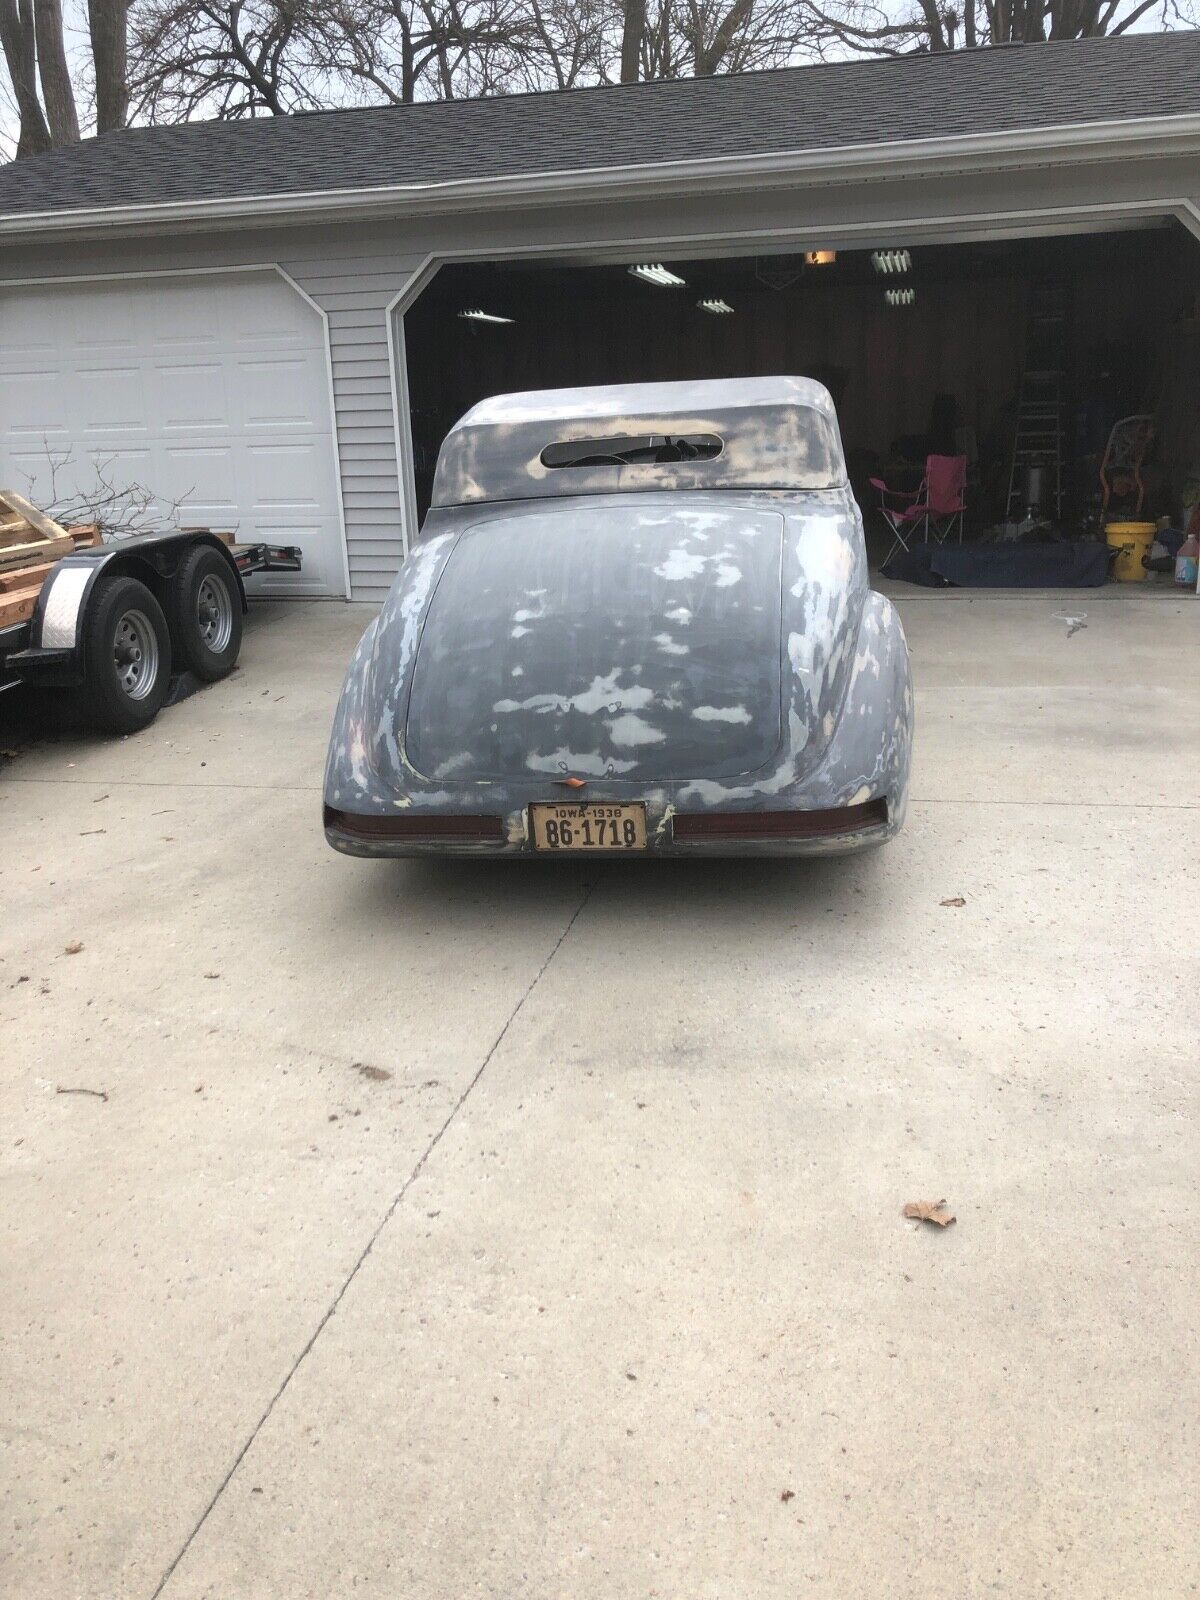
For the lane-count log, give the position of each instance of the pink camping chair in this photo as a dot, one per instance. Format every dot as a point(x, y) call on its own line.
point(936, 507)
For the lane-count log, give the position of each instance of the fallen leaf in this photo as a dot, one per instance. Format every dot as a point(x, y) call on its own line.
point(929, 1211)
point(212, 974)
point(73, 949)
point(787, 1494)
point(955, 900)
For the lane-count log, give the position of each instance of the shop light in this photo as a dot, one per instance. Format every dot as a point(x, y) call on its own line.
point(900, 297)
point(482, 316)
point(657, 274)
point(719, 308)
point(819, 258)
point(891, 261)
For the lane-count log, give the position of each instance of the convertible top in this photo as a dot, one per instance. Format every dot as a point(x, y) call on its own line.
point(736, 433)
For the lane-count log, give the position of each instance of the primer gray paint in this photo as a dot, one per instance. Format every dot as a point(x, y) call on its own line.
point(757, 671)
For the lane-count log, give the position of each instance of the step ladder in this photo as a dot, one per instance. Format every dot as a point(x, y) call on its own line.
point(1038, 435)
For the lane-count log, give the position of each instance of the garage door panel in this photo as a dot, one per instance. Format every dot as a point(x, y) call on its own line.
point(209, 474)
point(278, 471)
point(110, 401)
point(182, 313)
point(281, 393)
point(95, 323)
point(35, 405)
point(189, 397)
point(211, 391)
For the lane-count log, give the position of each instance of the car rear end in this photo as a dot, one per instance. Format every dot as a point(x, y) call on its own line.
point(651, 670)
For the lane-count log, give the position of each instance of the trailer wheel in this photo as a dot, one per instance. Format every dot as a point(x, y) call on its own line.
point(127, 657)
point(207, 613)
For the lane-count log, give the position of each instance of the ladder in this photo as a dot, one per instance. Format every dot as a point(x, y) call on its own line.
point(1038, 435)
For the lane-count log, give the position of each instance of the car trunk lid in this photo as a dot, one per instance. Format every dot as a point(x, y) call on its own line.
point(633, 640)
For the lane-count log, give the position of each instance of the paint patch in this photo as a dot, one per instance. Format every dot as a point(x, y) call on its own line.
point(721, 714)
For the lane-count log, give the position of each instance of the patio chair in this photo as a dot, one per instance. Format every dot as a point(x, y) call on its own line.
point(936, 507)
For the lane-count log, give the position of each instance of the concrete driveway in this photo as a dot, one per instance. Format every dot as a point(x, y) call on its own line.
point(536, 1232)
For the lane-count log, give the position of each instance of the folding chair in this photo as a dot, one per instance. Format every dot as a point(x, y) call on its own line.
point(935, 507)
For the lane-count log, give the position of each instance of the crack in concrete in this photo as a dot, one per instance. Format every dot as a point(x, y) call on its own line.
point(370, 1245)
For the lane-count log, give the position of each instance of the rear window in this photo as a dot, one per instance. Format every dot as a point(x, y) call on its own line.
point(627, 450)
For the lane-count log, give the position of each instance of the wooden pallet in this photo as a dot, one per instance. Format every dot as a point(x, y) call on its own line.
point(30, 544)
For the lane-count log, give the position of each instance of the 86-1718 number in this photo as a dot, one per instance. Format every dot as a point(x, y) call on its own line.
point(589, 827)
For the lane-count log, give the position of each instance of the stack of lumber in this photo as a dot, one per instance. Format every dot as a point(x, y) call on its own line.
point(30, 544)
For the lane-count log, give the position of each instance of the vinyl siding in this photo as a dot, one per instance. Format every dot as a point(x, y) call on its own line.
point(355, 293)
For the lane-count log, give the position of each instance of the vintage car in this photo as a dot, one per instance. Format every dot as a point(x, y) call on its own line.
point(637, 621)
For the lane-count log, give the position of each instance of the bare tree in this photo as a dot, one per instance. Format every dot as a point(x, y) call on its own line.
point(17, 34)
point(932, 25)
point(74, 496)
point(108, 25)
point(49, 77)
point(222, 58)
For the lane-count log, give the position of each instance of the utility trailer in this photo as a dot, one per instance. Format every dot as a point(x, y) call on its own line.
point(124, 625)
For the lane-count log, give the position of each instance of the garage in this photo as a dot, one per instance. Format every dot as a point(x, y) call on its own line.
point(272, 322)
point(210, 391)
point(927, 351)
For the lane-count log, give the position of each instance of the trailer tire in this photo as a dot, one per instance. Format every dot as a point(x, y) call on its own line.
point(126, 657)
point(206, 614)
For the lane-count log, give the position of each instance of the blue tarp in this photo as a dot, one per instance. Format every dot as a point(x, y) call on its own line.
point(1045, 564)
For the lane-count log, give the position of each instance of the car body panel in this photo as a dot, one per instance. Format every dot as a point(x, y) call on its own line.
point(638, 641)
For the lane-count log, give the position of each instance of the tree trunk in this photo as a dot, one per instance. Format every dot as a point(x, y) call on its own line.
point(108, 25)
point(632, 30)
point(57, 93)
point(20, 54)
point(709, 60)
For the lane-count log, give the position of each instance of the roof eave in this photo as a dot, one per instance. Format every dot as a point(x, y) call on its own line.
point(1068, 143)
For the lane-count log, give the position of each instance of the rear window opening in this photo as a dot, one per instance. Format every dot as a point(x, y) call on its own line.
point(646, 449)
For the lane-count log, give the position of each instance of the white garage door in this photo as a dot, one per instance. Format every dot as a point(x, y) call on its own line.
point(210, 391)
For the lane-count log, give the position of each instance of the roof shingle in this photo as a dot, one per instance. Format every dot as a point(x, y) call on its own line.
point(800, 108)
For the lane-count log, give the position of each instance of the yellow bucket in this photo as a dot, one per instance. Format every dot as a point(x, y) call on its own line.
point(1131, 541)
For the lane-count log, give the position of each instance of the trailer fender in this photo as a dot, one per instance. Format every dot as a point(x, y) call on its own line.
point(60, 618)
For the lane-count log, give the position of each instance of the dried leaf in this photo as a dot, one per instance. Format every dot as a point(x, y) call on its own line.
point(929, 1211)
point(955, 900)
point(787, 1494)
point(372, 1074)
point(73, 949)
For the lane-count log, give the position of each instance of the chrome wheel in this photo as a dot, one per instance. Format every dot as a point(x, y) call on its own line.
point(214, 614)
point(135, 654)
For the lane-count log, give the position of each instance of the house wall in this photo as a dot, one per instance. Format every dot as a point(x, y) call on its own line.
point(355, 272)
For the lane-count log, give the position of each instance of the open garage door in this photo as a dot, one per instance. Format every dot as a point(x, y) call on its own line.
point(208, 390)
point(926, 350)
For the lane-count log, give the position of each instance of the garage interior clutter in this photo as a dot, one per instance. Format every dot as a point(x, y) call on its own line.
point(1016, 413)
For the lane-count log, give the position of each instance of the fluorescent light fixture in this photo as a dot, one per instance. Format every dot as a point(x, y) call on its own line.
point(657, 274)
point(482, 316)
point(891, 261)
point(819, 258)
point(719, 308)
point(900, 297)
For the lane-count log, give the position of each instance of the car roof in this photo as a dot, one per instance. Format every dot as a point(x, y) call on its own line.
point(775, 433)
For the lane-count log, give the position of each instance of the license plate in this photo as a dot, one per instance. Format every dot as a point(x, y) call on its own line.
point(588, 827)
